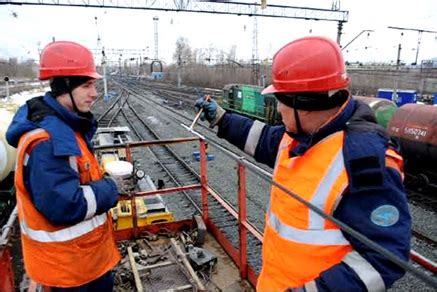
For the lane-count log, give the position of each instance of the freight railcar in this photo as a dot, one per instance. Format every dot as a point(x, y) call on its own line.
point(7, 163)
point(248, 100)
point(382, 108)
point(415, 127)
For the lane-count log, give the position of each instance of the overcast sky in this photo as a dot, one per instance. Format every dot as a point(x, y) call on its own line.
point(27, 28)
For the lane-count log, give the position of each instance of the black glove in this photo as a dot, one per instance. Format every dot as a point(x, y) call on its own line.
point(212, 112)
point(125, 184)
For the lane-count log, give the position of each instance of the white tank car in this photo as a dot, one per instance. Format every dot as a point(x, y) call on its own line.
point(7, 153)
point(7, 111)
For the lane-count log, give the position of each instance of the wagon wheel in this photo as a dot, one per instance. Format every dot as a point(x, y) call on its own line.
point(423, 182)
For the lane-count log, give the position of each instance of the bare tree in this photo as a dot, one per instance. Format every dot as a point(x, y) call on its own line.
point(15, 69)
point(183, 53)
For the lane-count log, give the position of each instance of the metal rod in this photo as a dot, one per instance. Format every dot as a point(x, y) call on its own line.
point(5, 231)
point(187, 265)
point(196, 118)
point(199, 113)
point(155, 266)
point(357, 36)
point(242, 219)
point(180, 288)
point(203, 180)
point(423, 261)
point(133, 265)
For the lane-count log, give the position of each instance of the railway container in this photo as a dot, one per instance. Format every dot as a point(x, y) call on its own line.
point(400, 97)
point(415, 125)
point(383, 108)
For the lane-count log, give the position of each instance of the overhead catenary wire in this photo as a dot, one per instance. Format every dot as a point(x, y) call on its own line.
point(343, 226)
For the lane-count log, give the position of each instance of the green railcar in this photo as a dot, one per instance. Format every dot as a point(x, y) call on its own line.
point(248, 100)
point(383, 109)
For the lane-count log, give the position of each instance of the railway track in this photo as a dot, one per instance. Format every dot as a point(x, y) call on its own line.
point(179, 173)
point(424, 238)
point(423, 196)
point(179, 97)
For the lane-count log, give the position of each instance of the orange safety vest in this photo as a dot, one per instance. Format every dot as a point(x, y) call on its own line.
point(63, 256)
point(298, 243)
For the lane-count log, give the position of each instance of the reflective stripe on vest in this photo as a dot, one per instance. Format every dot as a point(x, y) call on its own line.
point(65, 234)
point(298, 243)
point(315, 237)
point(71, 232)
point(26, 137)
point(88, 192)
point(316, 234)
point(85, 250)
point(321, 196)
point(366, 272)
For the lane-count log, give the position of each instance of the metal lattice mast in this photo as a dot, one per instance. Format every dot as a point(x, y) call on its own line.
point(155, 19)
point(255, 50)
point(419, 38)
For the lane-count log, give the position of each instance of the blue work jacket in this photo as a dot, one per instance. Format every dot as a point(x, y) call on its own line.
point(53, 185)
point(374, 190)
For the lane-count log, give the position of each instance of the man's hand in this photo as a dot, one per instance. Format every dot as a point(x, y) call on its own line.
point(125, 185)
point(212, 112)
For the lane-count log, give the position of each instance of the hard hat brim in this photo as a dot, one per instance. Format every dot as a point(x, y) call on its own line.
point(95, 75)
point(269, 89)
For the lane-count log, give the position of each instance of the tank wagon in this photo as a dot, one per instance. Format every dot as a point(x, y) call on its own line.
point(7, 153)
point(383, 108)
point(7, 162)
point(248, 100)
point(415, 127)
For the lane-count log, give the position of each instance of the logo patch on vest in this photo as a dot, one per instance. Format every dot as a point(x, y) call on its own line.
point(385, 215)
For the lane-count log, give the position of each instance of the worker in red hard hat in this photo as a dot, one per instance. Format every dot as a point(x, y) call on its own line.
point(331, 152)
point(62, 197)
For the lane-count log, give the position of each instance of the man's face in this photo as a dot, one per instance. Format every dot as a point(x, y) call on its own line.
point(287, 114)
point(84, 95)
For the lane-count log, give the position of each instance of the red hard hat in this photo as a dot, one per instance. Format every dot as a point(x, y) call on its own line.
point(62, 59)
point(309, 64)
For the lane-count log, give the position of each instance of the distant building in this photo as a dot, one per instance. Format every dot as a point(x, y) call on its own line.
point(430, 63)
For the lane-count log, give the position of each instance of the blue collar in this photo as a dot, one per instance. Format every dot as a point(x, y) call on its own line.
point(63, 126)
